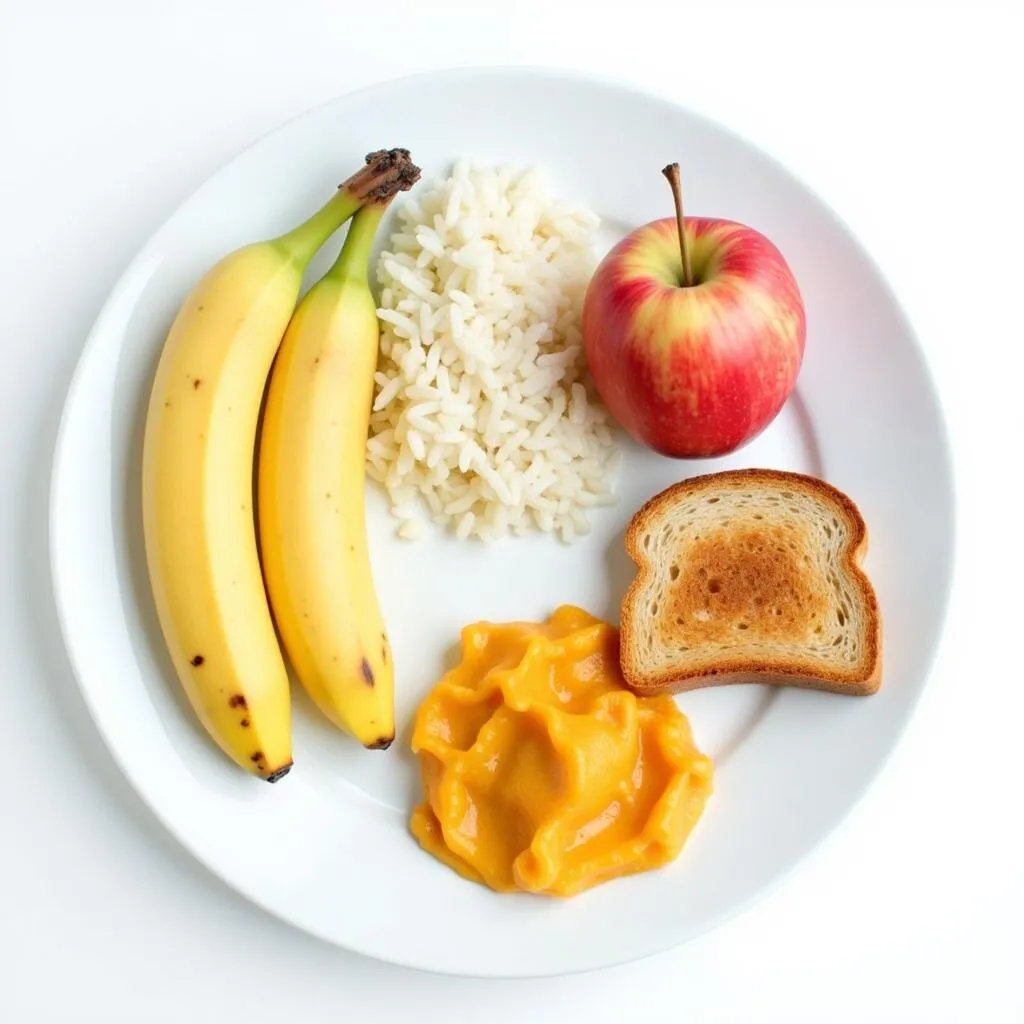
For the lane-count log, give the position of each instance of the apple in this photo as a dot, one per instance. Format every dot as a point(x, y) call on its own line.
point(694, 337)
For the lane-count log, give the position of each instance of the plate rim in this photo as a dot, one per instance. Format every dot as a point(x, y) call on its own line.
point(623, 86)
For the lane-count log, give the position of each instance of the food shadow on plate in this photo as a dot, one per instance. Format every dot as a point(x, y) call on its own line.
point(620, 571)
point(406, 725)
point(808, 435)
point(333, 761)
point(77, 727)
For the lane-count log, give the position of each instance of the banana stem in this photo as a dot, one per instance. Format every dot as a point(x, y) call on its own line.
point(302, 242)
point(353, 262)
point(386, 172)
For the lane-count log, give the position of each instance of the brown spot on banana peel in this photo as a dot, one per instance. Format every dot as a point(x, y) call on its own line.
point(368, 675)
point(244, 723)
point(238, 701)
point(196, 383)
point(382, 744)
point(197, 661)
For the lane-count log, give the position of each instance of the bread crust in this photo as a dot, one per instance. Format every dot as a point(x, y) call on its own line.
point(726, 670)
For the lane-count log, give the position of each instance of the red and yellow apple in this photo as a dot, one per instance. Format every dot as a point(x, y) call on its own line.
point(695, 370)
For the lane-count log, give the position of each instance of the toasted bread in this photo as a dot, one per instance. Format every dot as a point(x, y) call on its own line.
point(751, 575)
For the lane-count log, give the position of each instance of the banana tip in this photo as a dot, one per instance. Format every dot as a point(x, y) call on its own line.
point(281, 772)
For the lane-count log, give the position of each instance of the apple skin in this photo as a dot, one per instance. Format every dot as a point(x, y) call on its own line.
point(698, 371)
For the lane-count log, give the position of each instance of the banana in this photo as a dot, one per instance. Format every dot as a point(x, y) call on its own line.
point(311, 480)
point(198, 452)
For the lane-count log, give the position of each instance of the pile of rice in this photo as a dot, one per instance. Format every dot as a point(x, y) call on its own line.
point(484, 417)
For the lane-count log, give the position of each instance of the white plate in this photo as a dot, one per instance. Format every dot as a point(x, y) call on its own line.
point(328, 848)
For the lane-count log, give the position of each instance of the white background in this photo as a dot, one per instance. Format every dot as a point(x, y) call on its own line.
point(906, 118)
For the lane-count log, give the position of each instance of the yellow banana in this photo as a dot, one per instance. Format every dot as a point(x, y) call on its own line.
point(198, 453)
point(311, 497)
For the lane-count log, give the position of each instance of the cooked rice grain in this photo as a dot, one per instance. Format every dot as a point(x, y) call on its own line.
point(483, 406)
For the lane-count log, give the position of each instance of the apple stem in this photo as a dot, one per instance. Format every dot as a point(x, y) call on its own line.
point(672, 173)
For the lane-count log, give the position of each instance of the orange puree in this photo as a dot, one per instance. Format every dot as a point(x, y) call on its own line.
point(542, 772)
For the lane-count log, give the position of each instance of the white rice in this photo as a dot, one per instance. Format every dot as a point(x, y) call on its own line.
point(484, 418)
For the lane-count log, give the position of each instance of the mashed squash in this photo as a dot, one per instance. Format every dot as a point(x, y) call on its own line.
point(542, 772)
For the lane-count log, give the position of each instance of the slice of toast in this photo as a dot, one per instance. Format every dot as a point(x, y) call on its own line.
point(751, 575)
